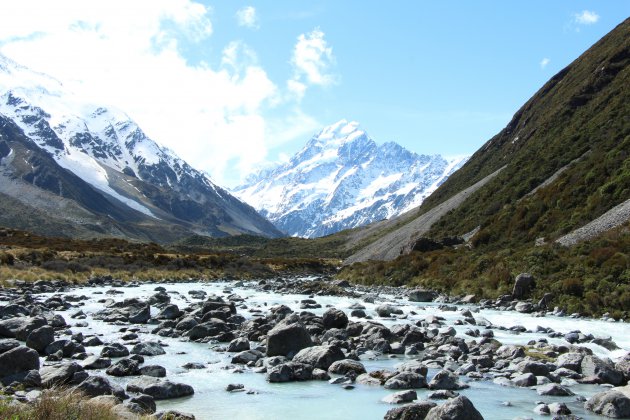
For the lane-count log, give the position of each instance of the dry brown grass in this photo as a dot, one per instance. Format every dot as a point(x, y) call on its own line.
point(58, 404)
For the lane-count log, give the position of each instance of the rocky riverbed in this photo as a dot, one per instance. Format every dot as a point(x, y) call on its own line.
point(309, 348)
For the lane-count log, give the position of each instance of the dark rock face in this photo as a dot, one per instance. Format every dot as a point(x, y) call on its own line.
point(17, 360)
point(159, 389)
point(420, 295)
point(40, 338)
point(445, 379)
point(285, 339)
point(602, 370)
point(459, 408)
point(114, 350)
point(406, 380)
point(523, 285)
point(342, 367)
point(613, 403)
point(416, 411)
point(62, 374)
point(124, 367)
point(149, 348)
point(334, 318)
point(290, 371)
point(98, 385)
point(321, 357)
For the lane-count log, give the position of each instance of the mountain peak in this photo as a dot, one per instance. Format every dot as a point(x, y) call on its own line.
point(339, 133)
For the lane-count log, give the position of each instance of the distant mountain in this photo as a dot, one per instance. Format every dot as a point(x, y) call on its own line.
point(342, 179)
point(78, 169)
point(559, 172)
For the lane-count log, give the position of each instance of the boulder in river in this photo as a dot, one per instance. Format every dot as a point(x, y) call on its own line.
point(148, 348)
point(415, 411)
point(334, 318)
point(445, 379)
point(287, 338)
point(40, 338)
point(62, 374)
point(602, 370)
point(459, 408)
point(342, 367)
point(421, 295)
point(18, 360)
point(613, 403)
point(98, 385)
point(406, 380)
point(320, 356)
point(159, 389)
point(400, 397)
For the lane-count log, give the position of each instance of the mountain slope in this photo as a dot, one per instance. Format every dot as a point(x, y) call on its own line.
point(101, 161)
point(343, 179)
point(566, 159)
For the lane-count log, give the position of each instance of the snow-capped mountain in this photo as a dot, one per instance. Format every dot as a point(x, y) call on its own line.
point(110, 153)
point(342, 179)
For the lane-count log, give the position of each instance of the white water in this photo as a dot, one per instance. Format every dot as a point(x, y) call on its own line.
point(319, 399)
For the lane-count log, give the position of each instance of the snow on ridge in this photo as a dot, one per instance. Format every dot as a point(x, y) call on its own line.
point(343, 179)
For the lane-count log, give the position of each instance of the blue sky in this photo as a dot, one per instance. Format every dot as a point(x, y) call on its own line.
point(231, 86)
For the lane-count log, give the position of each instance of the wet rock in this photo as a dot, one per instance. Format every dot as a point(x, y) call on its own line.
point(459, 408)
point(7, 344)
point(290, 371)
point(141, 316)
point(603, 370)
point(247, 356)
point(342, 367)
point(559, 409)
point(287, 338)
point(98, 385)
point(234, 387)
point(421, 295)
point(524, 307)
point(321, 357)
point(62, 374)
point(124, 367)
point(148, 348)
point(334, 318)
point(536, 368)
point(20, 327)
point(571, 360)
point(238, 344)
point(155, 371)
point(613, 403)
point(416, 411)
point(523, 285)
point(445, 379)
point(386, 311)
point(17, 360)
point(623, 365)
point(400, 397)
point(442, 394)
point(159, 389)
point(145, 402)
point(525, 380)
point(406, 380)
point(40, 338)
point(96, 362)
point(173, 415)
point(555, 390)
point(114, 350)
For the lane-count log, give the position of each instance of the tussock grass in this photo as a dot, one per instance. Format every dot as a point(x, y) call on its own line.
point(58, 404)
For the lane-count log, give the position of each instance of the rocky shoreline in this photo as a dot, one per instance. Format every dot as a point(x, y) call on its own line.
point(39, 349)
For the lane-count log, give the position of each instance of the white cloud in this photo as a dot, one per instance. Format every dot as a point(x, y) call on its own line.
point(217, 118)
point(544, 62)
point(312, 60)
point(586, 17)
point(247, 17)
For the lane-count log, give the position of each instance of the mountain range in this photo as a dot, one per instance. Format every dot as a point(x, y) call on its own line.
point(343, 179)
point(71, 168)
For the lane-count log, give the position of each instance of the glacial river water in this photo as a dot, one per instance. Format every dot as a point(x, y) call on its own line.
point(319, 399)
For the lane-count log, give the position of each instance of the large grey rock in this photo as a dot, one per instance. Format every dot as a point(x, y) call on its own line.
point(421, 295)
point(603, 370)
point(445, 379)
point(400, 397)
point(334, 318)
point(459, 408)
point(17, 360)
point(40, 338)
point(159, 389)
point(96, 362)
point(124, 367)
point(141, 317)
point(524, 307)
point(148, 348)
point(416, 411)
point(287, 338)
point(613, 403)
point(290, 371)
point(247, 356)
point(114, 350)
point(98, 385)
point(156, 371)
point(67, 347)
point(523, 285)
point(525, 380)
point(169, 312)
point(406, 380)
point(570, 360)
point(623, 365)
point(62, 374)
point(341, 367)
point(20, 327)
point(7, 344)
point(319, 356)
point(238, 344)
point(554, 390)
